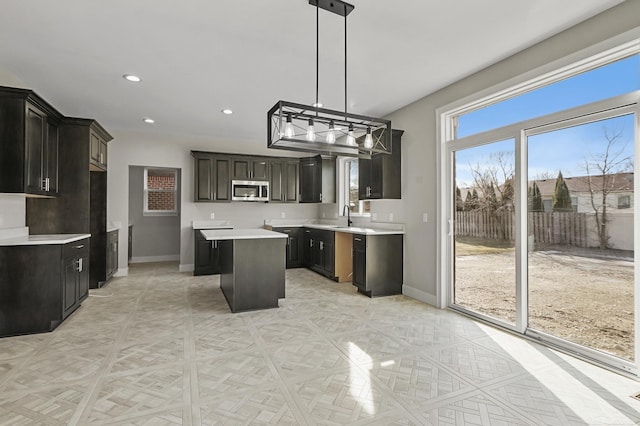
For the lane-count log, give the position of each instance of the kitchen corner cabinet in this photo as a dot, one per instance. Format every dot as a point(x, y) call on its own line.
point(41, 285)
point(250, 168)
point(206, 260)
point(377, 264)
point(318, 179)
point(212, 177)
point(29, 148)
point(284, 180)
point(293, 246)
point(381, 176)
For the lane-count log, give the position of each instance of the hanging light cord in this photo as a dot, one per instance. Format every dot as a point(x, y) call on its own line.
point(345, 61)
point(317, 51)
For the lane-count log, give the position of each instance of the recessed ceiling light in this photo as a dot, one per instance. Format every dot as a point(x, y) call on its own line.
point(148, 120)
point(132, 78)
point(227, 111)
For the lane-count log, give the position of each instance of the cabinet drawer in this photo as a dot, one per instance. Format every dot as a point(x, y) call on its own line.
point(76, 249)
point(359, 241)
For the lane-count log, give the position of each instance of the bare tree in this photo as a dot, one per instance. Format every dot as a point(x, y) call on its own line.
point(495, 184)
point(601, 171)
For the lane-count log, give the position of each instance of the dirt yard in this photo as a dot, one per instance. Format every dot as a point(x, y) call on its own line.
point(584, 296)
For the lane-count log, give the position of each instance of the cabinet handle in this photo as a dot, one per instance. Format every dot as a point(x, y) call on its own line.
point(310, 243)
point(79, 246)
point(321, 245)
point(357, 239)
point(214, 244)
point(321, 196)
point(79, 263)
point(44, 186)
point(289, 241)
point(101, 158)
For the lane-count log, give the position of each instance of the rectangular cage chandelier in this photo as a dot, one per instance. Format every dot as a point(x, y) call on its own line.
point(296, 127)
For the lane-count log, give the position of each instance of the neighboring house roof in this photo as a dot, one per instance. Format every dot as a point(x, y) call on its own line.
point(617, 182)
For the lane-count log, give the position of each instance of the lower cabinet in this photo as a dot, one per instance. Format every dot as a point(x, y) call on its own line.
point(319, 251)
point(206, 255)
point(377, 264)
point(41, 285)
point(293, 246)
point(112, 253)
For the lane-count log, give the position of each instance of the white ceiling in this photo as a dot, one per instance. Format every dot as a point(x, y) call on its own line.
point(197, 57)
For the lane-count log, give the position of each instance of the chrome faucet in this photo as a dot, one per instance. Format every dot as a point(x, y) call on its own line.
point(349, 221)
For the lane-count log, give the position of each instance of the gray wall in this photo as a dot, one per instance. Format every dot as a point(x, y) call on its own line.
point(155, 238)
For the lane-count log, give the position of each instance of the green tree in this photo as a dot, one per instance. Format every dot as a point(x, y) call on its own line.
point(561, 196)
point(535, 198)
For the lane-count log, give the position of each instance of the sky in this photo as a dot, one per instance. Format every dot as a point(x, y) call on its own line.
point(564, 150)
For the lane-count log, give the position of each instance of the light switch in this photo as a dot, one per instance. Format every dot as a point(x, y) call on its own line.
point(425, 217)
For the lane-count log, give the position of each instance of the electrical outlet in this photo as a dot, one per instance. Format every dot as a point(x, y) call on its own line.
point(390, 217)
point(425, 217)
point(212, 216)
point(283, 215)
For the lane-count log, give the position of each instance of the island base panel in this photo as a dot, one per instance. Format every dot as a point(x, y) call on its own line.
point(252, 273)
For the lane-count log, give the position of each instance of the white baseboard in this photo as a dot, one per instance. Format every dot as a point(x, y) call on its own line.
point(420, 295)
point(148, 259)
point(186, 268)
point(121, 272)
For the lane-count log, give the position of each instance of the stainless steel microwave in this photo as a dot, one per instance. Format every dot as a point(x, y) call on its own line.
point(249, 190)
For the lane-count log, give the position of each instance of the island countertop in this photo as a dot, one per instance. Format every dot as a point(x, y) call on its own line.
point(240, 234)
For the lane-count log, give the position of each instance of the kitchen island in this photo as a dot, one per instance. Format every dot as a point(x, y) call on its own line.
point(252, 264)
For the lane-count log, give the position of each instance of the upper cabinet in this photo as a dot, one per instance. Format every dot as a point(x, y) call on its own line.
point(98, 152)
point(381, 177)
point(29, 148)
point(250, 168)
point(318, 179)
point(212, 177)
point(283, 180)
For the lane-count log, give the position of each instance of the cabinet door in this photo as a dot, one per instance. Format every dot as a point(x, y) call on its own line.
point(83, 276)
point(377, 170)
point(328, 256)
point(50, 155)
point(95, 149)
point(204, 179)
point(359, 267)
point(36, 127)
point(259, 169)
point(310, 180)
point(307, 249)
point(114, 249)
point(222, 188)
point(103, 154)
point(294, 256)
point(291, 188)
point(276, 184)
point(241, 168)
point(364, 179)
point(69, 286)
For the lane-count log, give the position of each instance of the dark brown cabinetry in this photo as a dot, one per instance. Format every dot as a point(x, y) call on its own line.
point(319, 251)
point(112, 253)
point(377, 264)
point(381, 176)
point(283, 180)
point(212, 177)
point(206, 260)
point(318, 179)
point(293, 246)
point(250, 168)
point(98, 152)
point(29, 148)
point(41, 285)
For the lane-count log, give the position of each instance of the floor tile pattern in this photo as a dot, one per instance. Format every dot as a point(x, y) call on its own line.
point(162, 348)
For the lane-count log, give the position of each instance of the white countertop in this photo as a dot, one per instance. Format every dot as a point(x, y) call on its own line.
point(211, 224)
point(350, 229)
point(240, 234)
point(34, 240)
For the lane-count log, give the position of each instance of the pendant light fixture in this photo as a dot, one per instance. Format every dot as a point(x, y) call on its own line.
point(312, 128)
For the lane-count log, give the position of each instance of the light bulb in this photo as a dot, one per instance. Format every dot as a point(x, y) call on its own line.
point(288, 128)
point(351, 139)
point(368, 140)
point(331, 136)
point(311, 131)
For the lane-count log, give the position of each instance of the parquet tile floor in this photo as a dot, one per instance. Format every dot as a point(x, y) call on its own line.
point(160, 347)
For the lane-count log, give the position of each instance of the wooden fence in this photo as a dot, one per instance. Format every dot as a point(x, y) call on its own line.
point(562, 228)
